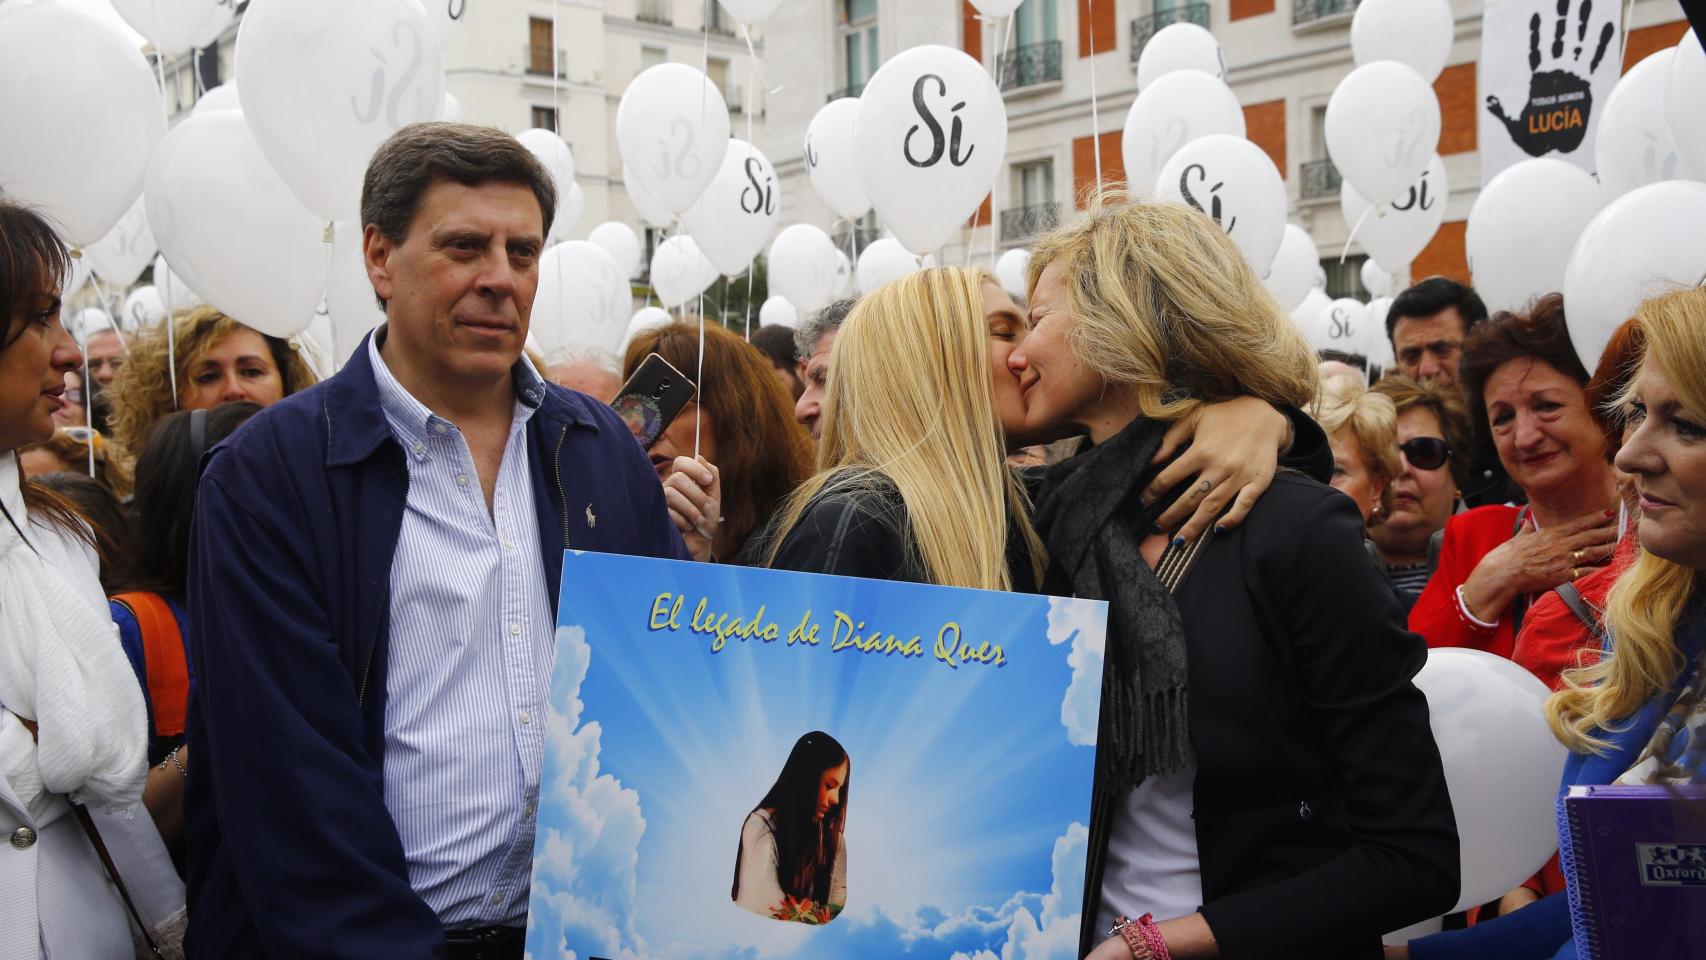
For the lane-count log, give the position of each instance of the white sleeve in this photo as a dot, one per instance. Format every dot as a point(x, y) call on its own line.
point(760, 890)
point(19, 769)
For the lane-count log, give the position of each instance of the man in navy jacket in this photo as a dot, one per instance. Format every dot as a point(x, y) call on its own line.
point(350, 587)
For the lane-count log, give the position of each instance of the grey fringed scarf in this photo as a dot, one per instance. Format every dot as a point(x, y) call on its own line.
point(1090, 516)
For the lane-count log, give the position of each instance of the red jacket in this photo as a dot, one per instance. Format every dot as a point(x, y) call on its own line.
point(1437, 616)
point(1553, 636)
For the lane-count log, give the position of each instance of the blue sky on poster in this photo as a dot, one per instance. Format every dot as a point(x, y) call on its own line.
point(1002, 848)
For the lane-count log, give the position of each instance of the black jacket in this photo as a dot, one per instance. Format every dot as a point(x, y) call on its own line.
point(1321, 809)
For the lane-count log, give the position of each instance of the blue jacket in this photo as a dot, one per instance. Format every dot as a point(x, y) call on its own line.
point(292, 850)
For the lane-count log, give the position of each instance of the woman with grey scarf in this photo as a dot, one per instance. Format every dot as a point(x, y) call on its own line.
point(1267, 783)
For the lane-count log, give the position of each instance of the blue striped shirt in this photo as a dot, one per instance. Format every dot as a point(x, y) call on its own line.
point(470, 664)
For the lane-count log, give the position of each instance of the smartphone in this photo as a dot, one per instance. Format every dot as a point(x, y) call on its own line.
point(652, 398)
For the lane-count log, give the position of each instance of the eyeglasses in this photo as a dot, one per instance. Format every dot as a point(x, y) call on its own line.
point(1425, 453)
point(79, 434)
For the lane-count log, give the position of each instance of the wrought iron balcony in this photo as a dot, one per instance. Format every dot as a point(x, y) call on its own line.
point(849, 91)
point(1309, 12)
point(1030, 65)
point(1320, 180)
point(1145, 27)
point(538, 61)
point(1023, 223)
point(655, 11)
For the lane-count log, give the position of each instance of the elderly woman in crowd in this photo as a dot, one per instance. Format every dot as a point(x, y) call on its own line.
point(72, 727)
point(1630, 717)
point(217, 360)
point(1433, 458)
point(1527, 395)
point(1267, 782)
point(1361, 429)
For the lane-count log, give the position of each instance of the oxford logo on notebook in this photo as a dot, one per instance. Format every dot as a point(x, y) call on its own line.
point(1672, 864)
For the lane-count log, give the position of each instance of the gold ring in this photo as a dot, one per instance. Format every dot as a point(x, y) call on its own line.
point(1577, 558)
point(1573, 574)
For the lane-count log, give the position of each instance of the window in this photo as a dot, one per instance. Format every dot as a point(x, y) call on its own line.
point(1036, 183)
point(718, 72)
point(541, 47)
point(545, 118)
point(654, 11)
point(652, 56)
point(860, 52)
point(716, 20)
point(1318, 132)
point(1345, 279)
point(1035, 22)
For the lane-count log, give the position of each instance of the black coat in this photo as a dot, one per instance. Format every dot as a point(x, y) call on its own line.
point(1321, 810)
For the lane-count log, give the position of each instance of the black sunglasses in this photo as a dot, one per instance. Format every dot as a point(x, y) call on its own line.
point(1425, 453)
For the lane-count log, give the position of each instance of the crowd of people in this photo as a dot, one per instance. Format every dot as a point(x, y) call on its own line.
point(276, 652)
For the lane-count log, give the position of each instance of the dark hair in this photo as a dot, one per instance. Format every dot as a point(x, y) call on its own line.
point(1617, 366)
point(422, 154)
point(827, 320)
point(763, 452)
point(112, 526)
point(1433, 295)
point(1540, 334)
point(805, 847)
point(166, 476)
point(777, 343)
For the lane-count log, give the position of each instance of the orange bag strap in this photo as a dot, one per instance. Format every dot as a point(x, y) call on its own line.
point(163, 653)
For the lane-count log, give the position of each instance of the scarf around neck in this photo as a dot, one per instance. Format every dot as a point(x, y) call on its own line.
point(1091, 518)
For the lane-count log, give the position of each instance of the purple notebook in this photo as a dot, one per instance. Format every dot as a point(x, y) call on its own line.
point(1635, 861)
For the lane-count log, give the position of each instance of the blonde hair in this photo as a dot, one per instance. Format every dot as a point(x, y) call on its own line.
point(112, 469)
point(142, 393)
point(1166, 304)
point(908, 402)
point(1648, 600)
point(1370, 419)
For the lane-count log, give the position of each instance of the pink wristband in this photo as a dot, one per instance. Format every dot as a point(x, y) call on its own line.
point(1143, 937)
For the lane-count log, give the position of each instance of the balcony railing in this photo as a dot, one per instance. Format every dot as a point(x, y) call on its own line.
point(1320, 180)
point(654, 11)
point(1030, 65)
point(1309, 12)
point(1023, 223)
point(538, 61)
point(1145, 27)
point(849, 91)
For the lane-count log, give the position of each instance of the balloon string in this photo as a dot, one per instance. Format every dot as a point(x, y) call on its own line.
point(165, 115)
point(1095, 112)
point(115, 312)
point(556, 83)
point(994, 235)
point(1350, 239)
point(331, 264)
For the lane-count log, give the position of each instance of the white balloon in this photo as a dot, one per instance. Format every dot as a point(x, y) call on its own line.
point(930, 138)
point(174, 292)
point(324, 82)
point(1320, 277)
point(843, 274)
point(231, 226)
point(1342, 326)
point(650, 211)
point(81, 114)
point(1416, 33)
point(1524, 225)
point(805, 267)
point(1314, 303)
point(1502, 766)
point(1644, 243)
point(351, 307)
point(672, 128)
point(680, 271)
point(583, 298)
point(996, 8)
point(733, 218)
point(1634, 146)
point(553, 153)
point(142, 309)
point(222, 97)
point(618, 240)
point(571, 203)
point(646, 318)
point(1292, 275)
point(1013, 270)
point(452, 112)
point(1380, 354)
point(1375, 280)
point(445, 16)
point(1382, 128)
point(884, 260)
point(128, 248)
point(777, 311)
point(1235, 182)
point(214, 27)
point(1396, 232)
point(174, 26)
point(87, 322)
point(1172, 111)
point(82, 268)
point(831, 161)
point(750, 12)
point(1682, 101)
point(1180, 46)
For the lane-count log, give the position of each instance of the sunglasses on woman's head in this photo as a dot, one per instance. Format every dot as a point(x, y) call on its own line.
point(1425, 453)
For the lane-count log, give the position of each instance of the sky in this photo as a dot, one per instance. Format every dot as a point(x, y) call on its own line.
point(968, 792)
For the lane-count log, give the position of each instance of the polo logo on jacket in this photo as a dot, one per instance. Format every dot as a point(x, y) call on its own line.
point(591, 518)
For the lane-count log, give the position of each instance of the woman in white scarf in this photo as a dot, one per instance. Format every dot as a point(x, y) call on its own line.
point(73, 729)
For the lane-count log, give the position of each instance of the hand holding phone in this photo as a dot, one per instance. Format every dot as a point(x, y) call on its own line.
point(652, 398)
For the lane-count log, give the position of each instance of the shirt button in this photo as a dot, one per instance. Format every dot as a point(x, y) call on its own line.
point(462, 479)
point(527, 811)
point(420, 448)
point(509, 544)
point(497, 898)
point(526, 718)
point(23, 838)
point(438, 428)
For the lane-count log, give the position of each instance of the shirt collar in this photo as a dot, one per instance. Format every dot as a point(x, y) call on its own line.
point(411, 420)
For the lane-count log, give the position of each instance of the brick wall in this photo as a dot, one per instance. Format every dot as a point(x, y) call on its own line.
point(1444, 255)
point(1459, 108)
point(1645, 41)
point(1244, 9)
point(1101, 13)
point(1264, 126)
point(972, 28)
point(1084, 166)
